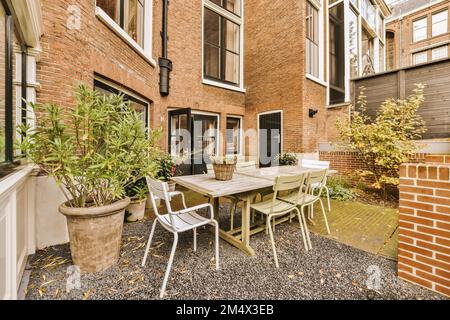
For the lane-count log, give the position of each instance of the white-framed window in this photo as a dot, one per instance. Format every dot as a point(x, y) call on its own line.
point(223, 43)
point(439, 53)
point(420, 57)
point(312, 39)
point(234, 135)
point(439, 23)
point(132, 20)
point(420, 29)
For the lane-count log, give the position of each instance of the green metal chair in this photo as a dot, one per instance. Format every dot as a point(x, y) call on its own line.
point(275, 207)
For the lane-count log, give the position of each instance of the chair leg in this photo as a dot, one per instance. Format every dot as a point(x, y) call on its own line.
point(302, 229)
point(216, 226)
point(195, 240)
point(149, 243)
point(169, 266)
point(273, 243)
point(308, 238)
point(325, 216)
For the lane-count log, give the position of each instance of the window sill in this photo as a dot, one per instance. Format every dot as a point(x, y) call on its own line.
point(111, 24)
point(223, 85)
point(339, 105)
point(316, 80)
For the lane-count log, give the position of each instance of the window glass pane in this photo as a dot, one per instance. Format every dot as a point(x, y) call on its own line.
point(111, 7)
point(212, 27)
point(233, 136)
point(232, 67)
point(134, 20)
point(420, 30)
point(440, 24)
point(353, 44)
point(381, 27)
point(440, 53)
point(337, 54)
point(420, 57)
point(232, 36)
point(2, 83)
point(368, 54)
point(212, 61)
point(312, 40)
point(231, 5)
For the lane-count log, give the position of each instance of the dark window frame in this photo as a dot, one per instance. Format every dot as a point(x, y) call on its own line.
point(143, 102)
point(223, 50)
point(11, 159)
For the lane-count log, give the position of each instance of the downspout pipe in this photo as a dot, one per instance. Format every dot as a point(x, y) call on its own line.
point(165, 64)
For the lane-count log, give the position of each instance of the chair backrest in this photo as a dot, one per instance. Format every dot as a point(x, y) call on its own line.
point(315, 164)
point(246, 166)
point(159, 189)
point(293, 184)
point(316, 180)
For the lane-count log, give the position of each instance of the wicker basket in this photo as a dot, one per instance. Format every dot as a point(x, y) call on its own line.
point(224, 172)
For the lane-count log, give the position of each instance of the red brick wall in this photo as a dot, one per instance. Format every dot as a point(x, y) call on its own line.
point(71, 56)
point(424, 237)
point(348, 162)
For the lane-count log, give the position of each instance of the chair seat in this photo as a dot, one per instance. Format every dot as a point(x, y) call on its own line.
point(292, 198)
point(186, 221)
point(267, 207)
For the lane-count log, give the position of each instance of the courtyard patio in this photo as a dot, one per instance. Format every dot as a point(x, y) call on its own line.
point(339, 266)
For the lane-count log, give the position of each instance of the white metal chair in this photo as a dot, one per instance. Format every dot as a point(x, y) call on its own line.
point(276, 207)
point(313, 180)
point(177, 222)
point(316, 164)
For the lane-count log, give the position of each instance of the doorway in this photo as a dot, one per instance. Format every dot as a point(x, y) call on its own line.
point(270, 138)
point(193, 137)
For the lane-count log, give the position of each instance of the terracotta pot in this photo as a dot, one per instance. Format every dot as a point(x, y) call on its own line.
point(136, 210)
point(95, 235)
point(172, 186)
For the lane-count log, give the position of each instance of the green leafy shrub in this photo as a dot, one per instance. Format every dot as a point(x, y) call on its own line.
point(96, 149)
point(287, 159)
point(340, 190)
point(388, 141)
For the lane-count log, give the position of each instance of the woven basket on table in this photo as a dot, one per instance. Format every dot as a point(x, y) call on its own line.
point(224, 172)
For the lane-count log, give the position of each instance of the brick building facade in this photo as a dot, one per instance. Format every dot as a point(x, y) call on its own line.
point(417, 32)
point(85, 41)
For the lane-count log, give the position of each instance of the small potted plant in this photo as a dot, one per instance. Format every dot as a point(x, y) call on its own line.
point(224, 167)
point(167, 170)
point(138, 193)
point(287, 159)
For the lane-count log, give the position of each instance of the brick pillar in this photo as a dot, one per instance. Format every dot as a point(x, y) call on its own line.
point(424, 237)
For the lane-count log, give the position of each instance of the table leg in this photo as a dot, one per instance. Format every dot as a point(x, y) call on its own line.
point(216, 205)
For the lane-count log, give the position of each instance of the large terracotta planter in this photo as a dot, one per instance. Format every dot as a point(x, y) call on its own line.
point(95, 235)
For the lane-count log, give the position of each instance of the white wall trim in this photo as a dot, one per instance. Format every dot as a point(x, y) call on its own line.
point(145, 52)
point(29, 17)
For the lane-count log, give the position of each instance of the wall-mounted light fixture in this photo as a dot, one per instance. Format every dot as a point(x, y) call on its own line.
point(312, 113)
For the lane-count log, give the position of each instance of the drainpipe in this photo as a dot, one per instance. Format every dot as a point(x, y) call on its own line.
point(165, 64)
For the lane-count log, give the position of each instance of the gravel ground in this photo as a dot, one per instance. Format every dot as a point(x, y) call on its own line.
point(331, 271)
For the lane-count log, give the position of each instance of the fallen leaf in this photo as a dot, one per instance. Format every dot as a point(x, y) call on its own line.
point(291, 276)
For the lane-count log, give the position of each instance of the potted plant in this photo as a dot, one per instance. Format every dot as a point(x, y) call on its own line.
point(224, 167)
point(138, 194)
point(93, 150)
point(166, 170)
point(287, 159)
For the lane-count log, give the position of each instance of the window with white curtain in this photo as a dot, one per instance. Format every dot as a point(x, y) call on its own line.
point(312, 39)
point(439, 23)
point(420, 29)
point(420, 57)
point(222, 41)
point(439, 53)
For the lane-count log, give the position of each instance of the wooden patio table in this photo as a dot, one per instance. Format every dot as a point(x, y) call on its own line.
point(244, 186)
